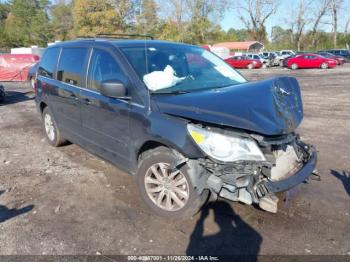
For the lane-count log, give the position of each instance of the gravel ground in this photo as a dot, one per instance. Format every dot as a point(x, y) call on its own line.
point(67, 201)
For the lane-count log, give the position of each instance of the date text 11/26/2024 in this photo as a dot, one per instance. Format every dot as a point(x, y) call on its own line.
point(173, 258)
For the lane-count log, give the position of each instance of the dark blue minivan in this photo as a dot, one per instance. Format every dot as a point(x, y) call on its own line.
point(187, 125)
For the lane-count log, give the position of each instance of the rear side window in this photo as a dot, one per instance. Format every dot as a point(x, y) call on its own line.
point(71, 65)
point(48, 62)
point(103, 67)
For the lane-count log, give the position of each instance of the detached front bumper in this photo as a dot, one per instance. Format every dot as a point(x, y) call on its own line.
point(300, 176)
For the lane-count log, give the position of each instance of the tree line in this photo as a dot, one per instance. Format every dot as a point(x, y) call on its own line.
point(37, 22)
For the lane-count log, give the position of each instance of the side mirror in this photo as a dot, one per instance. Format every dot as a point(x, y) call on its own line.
point(115, 89)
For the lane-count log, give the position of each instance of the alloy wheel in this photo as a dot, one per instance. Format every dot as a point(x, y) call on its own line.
point(49, 127)
point(167, 190)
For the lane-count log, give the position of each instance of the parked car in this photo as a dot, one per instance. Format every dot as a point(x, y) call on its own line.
point(265, 62)
point(272, 57)
point(340, 52)
point(180, 119)
point(310, 61)
point(339, 59)
point(287, 52)
point(283, 55)
point(32, 74)
point(243, 62)
point(2, 94)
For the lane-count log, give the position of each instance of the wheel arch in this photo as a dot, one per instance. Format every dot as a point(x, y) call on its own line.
point(148, 145)
point(197, 173)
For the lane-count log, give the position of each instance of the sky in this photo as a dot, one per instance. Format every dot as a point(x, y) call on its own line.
point(282, 16)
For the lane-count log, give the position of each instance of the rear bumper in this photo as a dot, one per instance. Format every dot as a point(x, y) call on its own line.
point(303, 174)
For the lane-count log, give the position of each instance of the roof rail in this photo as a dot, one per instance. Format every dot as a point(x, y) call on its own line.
point(123, 36)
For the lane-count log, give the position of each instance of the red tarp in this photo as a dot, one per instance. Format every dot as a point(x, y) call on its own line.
point(15, 67)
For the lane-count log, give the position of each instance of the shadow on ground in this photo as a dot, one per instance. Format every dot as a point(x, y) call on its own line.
point(344, 177)
point(6, 213)
point(235, 237)
point(13, 97)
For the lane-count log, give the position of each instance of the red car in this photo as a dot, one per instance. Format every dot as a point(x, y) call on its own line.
point(310, 61)
point(243, 62)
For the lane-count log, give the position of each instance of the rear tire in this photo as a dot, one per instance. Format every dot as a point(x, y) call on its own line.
point(250, 66)
point(53, 134)
point(166, 194)
point(324, 65)
point(294, 66)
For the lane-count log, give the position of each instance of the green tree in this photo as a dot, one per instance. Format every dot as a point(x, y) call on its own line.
point(62, 20)
point(281, 38)
point(4, 11)
point(41, 27)
point(237, 35)
point(169, 30)
point(95, 16)
point(201, 28)
point(28, 22)
point(147, 18)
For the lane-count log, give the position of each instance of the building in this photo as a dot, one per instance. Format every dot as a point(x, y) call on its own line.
point(248, 46)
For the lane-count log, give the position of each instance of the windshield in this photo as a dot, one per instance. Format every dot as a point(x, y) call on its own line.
point(180, 68)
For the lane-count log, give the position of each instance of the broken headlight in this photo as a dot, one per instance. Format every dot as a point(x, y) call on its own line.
point(225, 148)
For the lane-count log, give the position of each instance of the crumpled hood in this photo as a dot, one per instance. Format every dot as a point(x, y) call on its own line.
point(268, 107)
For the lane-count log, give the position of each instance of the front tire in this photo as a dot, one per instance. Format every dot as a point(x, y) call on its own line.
point(250, 66)
point(324, 65)
point(52, 132)
point(168, 194)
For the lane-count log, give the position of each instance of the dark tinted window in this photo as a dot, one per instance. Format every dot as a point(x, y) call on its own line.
point(71, 65)
point(103, 67)
point(48, 62)
point(337, 52)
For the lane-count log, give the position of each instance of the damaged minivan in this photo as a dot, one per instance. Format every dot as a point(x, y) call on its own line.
point(177, 117)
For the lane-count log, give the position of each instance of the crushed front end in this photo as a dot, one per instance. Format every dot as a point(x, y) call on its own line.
point(288, 162)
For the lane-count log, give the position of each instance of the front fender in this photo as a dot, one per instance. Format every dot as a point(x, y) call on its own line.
point(166, 130)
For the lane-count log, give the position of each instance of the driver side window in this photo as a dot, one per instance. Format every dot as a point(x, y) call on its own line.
point(103, 67)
